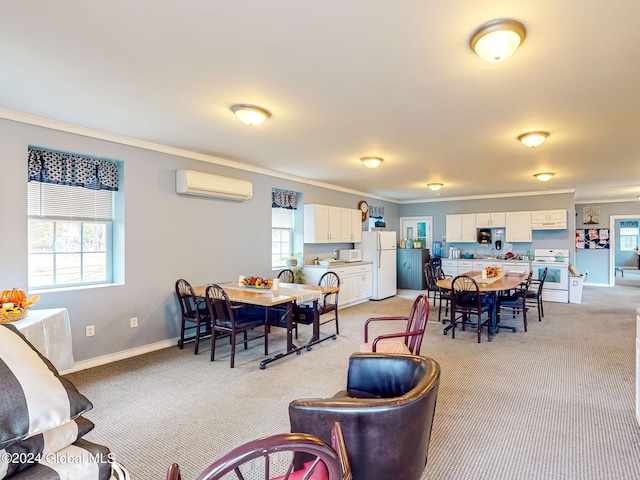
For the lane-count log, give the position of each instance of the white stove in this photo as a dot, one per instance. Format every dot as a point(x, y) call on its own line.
point(556, 284)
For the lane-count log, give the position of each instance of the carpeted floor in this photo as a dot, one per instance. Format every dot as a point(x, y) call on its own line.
point(556, 402)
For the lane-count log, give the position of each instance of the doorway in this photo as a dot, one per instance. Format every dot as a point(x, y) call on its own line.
point(617, 271)
point(417, 228)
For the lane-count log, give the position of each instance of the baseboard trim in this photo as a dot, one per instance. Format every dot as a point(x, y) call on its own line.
point(114, 357)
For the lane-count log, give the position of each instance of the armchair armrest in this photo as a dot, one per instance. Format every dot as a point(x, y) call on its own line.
point(387, 336)
point(375, 319)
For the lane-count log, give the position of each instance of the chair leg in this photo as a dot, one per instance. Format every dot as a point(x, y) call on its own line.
point(197, 345)
point(524, 316)
point(337, 327)
point(233, 349)
point(479, 325)
point(246, 341)
point(542, 308)
point(181, 341)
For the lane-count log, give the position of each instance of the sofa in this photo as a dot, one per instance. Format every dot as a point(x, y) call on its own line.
point(386, 413)
point(41, 420)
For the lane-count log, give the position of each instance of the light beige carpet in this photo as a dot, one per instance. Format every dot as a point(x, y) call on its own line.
point(556, 402)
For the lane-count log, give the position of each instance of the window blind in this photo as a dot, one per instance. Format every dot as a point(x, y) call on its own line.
point(64, 202)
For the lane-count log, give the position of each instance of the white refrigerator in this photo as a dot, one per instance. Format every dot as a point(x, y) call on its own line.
point(379, 247)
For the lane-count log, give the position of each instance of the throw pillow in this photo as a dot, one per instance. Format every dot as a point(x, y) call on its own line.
point(34, 397)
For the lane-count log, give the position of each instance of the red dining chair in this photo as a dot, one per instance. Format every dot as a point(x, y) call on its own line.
point(410, 340)
point(287, 456)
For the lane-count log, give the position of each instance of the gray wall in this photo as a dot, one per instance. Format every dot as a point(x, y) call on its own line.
point(598, 262)
point(166, 237)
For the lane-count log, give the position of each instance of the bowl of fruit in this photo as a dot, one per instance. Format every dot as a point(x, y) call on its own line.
point(257, 282)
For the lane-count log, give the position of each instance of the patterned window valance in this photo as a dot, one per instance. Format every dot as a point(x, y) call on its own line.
point(376, 212)
point(284, 199)
point(629, 224)
point(61, 168)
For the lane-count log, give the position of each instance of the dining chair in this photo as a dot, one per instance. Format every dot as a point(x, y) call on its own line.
point(430, 277)
point(329, 301)
point(515, 302)
point(233, 319)
point(285, 456)
point(193, 311)
point(408, 341)
point(286, 276)
point(534, 294)
point(444, 294)
point(466, 301)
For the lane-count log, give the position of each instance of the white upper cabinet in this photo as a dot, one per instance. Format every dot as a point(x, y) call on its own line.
point(518, 227)
point(549, 219)
point(461, 228)
point(325, 224)
point(491, 220)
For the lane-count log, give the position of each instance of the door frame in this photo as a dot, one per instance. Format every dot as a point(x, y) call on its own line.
point(413, 221)
point(612, 244)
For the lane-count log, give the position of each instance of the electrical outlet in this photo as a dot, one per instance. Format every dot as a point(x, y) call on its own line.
point(90, 330)
point(133, 321)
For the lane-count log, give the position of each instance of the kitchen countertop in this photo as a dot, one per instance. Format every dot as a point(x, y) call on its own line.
point(338, 264)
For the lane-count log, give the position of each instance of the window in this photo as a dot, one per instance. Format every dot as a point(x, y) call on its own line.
point(284, 204)
point(628, 236)
point(282, 224)
point(70, 208)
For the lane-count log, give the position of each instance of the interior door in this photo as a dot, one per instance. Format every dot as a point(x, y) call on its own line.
point(417, 228)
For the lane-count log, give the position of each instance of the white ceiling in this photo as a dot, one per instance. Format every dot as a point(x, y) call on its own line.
point(346, 79)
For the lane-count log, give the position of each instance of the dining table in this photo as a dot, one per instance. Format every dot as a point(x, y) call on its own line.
point(284, 299)
point(490, 286)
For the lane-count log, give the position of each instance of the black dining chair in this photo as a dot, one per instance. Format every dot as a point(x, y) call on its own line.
point(534, 294)
point(286, 276)
point(515, 302)
point(195, 315)
point(466, 301)
point(233, 320)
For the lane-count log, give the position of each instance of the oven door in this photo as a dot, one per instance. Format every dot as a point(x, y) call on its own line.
point(557, 275)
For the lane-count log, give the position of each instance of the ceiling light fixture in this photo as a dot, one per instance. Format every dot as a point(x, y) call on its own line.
point(496, 40)
point(372, 162)
point(533, 139)
point(250, 114)
point(544, 177)
point(434, 186)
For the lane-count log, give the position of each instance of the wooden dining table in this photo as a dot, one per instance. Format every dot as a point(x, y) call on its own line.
point(285, 298)
point(490, 286)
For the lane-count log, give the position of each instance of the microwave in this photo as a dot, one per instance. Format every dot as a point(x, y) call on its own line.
point(351, 255)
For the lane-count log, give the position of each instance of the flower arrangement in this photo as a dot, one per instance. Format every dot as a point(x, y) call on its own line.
point(14, 304)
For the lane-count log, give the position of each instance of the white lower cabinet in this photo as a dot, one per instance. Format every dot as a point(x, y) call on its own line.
point(479, 265)
point(450, 267)
point(356, 281)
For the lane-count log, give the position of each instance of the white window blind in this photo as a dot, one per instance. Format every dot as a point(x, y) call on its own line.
point(63, 202)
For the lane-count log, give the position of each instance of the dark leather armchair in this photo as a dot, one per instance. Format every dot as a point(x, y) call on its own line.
point(386, 413)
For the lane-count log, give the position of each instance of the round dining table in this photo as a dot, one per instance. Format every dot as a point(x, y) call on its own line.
point(491, 286)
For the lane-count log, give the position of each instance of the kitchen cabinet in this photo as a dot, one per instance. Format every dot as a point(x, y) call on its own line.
point(450, 267)
point(411, 268)
point(479, 265)
point(324, 224)
point(356, 281)
point(491, 220)
point(518, 226)
point(461, 228)
point(549, 219)
point(350, 225)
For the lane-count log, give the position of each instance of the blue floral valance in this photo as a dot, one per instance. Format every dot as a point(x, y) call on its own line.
point(61, 168)
point(376, 212)
point(284, 199)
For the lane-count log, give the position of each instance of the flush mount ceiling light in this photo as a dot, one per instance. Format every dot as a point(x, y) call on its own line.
point(496, 40)
point(544, 177)
point(434, 186)
point(372, 162)
point(533, 139)
point(250, 114)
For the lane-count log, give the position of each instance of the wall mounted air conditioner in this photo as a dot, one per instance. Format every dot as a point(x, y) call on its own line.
point(200, 184)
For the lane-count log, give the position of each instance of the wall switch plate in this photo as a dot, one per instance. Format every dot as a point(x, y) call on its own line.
point(90, 330)
point(133, 321)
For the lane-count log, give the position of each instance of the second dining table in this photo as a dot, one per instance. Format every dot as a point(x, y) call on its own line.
point(284, 299)
point(490, 286)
